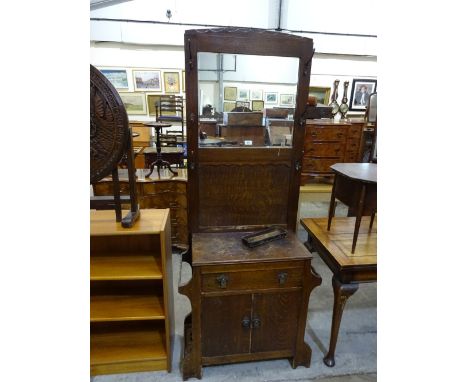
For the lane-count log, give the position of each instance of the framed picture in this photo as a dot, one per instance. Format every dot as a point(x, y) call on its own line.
point(243, 95)
point(135, 103)
point(256, 95)
point(183, 80)
point(360, 92)
point(230, 93)
point(271, 98)
point(228, 106)
point(117, 77)
point(243, 104)
point(147, 80)
point(151, 100)
point(287, 99)
point(322, 94)
point(171, 82)
point(258, 105)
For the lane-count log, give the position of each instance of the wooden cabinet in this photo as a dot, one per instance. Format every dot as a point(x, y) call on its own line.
point(249, 305)
point(131, 302)
point(165, 192)
point(328, 142)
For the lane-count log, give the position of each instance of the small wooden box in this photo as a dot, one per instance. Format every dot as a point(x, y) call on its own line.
point(277, 113)
point(243, 118)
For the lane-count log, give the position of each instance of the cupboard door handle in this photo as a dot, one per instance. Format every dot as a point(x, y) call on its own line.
point(282, 276)
point(246, 322)
point(222, 281)
point(256, 323)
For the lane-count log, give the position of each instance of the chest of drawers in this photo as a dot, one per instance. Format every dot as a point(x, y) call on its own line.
point(328, 142)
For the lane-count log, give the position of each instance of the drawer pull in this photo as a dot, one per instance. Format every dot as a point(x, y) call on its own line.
point(339, 135)
point(222, 281)
point(282, 276)
point(256, 323)
point(313, 134)
point(246, 322)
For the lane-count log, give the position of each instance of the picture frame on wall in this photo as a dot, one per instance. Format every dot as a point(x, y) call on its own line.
point(287, 99)
point(361, 89)
point(171, 82)
point(258, 105)
point(147, 80)
point(151, 100)
point(117, 77)
point(243, 95)
point(243, 104)
point(135, 103)
point(322, 94)
point(228, 106)
point(271, 98)
point(230, 93)
point(183, 80)
point(256, 95)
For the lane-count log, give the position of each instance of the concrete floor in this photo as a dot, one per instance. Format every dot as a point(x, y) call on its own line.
point(356, 352)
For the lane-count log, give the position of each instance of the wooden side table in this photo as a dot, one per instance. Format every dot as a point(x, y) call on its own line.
point(355, 185)
point(349, 269)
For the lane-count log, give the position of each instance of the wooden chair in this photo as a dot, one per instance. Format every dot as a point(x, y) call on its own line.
point(171, 109)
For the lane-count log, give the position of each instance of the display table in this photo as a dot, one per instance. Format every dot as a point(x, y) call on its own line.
point(349, 269)
point(355, 185)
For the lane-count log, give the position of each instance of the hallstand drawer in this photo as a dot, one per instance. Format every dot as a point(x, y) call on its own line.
point(226, 279)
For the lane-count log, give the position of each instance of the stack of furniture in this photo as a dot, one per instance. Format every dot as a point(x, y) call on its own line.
point(132, 314)
point(328, 141)
point(247, 303)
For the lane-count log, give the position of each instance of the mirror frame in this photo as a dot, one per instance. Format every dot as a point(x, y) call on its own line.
point(248, 41)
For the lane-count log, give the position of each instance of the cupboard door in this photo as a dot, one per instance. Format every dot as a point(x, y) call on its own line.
point(225, 324)
point(274, 321)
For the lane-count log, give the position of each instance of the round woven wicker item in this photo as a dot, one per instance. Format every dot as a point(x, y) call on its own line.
point(109, 136)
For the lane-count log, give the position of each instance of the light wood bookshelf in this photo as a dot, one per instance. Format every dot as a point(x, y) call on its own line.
point(131, 302)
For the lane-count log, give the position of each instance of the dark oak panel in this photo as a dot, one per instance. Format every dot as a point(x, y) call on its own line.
point(261, 200)
point(221, 323)
point(277, 313)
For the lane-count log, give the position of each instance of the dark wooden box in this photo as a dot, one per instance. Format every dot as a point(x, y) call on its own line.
point(243, 118)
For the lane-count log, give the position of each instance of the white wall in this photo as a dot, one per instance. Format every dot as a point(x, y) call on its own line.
point(325, 68)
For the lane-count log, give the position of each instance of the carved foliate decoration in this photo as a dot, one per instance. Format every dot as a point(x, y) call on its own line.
point(109, 131)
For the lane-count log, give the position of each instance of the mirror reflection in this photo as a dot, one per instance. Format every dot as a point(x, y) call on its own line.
point(246, 100)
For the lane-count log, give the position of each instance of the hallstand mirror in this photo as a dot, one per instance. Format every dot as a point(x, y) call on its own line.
point(245, 174)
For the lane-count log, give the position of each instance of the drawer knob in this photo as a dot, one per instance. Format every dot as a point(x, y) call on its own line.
point(339, 135)
point(246, 322)
point(282, 276)
point(222, 281)
point(256, 322)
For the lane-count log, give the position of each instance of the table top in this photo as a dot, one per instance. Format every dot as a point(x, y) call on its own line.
point(365, 172)
point(336, 243)
point(150, 221)
point(227, 248)
point(157, 124)
point(164, 150)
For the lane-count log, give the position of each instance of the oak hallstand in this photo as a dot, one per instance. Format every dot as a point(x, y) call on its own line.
point(247, 304)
